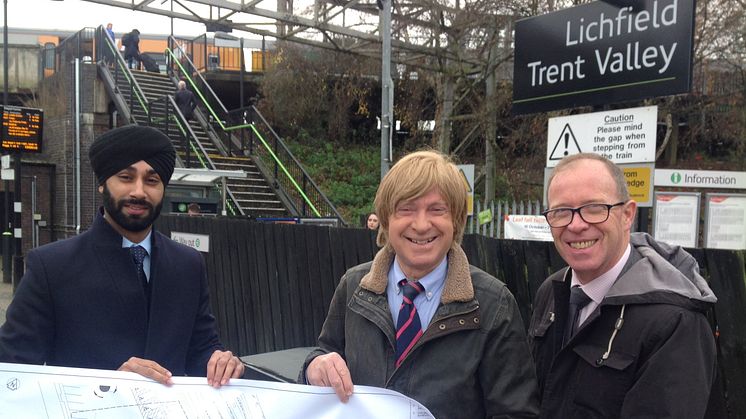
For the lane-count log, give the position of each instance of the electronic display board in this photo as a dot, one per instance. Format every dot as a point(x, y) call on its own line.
point(22, 129)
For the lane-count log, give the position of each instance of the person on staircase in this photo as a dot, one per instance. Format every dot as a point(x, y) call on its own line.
point(131, 43)
point(185, 100)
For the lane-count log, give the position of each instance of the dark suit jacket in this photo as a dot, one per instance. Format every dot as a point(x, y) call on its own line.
point(185, 101)
point(80, 304)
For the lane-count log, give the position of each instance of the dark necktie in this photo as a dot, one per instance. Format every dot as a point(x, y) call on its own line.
point(138, 255)
point(578, 300)
point(408, 326)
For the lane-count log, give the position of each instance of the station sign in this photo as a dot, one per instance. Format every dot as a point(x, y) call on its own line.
point(600, 53)
point(22, 129)
point(623, 135)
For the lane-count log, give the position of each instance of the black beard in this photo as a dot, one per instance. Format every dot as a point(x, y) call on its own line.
point(127, 222)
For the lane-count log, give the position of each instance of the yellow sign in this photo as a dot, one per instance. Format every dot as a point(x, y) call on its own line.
point(639, 183)
point(467, 175)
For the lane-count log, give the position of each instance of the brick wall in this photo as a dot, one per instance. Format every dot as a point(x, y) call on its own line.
point(55, 167)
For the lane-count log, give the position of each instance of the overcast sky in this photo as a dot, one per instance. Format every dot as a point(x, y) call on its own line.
point(75, 15)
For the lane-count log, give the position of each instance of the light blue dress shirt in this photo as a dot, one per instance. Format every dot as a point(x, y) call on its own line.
point(147, 246)
point(427, 302)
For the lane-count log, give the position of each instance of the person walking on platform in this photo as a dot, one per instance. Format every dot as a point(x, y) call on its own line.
point(121, 295)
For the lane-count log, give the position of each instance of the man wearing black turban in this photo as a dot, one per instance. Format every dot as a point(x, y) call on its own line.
point(121, 295)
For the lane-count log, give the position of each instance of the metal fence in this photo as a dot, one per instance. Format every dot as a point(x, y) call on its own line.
point(491, 225)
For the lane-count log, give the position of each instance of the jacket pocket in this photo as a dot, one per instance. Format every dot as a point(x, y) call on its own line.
point(593, 355)
point(601, 384)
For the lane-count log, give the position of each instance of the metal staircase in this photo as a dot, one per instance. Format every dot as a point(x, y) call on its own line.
point(253, 195)
point(146, 98)
point(277, 186)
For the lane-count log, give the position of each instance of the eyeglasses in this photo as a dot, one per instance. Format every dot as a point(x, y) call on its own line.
point(590, 213)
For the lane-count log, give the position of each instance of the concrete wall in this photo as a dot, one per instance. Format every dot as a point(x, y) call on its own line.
point(24, 68)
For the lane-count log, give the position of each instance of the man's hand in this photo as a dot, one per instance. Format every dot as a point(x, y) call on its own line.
point(330, 370)
point(149, 369)
point(223, 366)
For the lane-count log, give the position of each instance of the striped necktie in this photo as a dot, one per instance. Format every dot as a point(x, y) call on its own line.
point(408, 326)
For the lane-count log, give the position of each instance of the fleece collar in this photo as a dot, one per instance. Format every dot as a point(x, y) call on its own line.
point(457, 287)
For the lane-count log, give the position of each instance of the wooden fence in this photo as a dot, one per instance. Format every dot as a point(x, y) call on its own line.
point(271, 285)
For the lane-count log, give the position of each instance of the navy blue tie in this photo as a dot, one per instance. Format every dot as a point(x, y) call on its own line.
point(138, 255)
point(578, 300)
point(408, 326)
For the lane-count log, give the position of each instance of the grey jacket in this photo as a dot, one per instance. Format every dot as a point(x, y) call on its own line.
point(646, 351)
point(471, 362)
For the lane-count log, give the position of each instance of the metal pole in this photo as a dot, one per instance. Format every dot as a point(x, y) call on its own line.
point(242, 74)
point(78, 204)
point(7, 234)
point(34, 223)
point(241, 98)
point(225, 210)
point(387, 97)
point(17, 223)
point(5, 52)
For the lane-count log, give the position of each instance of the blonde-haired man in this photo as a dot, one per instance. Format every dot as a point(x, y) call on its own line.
point(419, 319)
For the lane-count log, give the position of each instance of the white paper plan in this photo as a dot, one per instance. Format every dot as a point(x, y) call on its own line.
point(33, 391)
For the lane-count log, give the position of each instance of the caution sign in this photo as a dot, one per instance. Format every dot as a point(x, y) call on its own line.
point(622, 136)
point(467, 174)
point(566, 145)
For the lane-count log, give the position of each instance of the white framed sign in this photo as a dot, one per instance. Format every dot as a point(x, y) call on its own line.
point(622, 135)
point(676, 218)
point(725, 221)
point(527, 227)
point(200, 242)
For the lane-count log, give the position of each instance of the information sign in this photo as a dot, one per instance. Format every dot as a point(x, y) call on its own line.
point(22, 129)
point(725, 221)
point(676, 218)
point(715, 179)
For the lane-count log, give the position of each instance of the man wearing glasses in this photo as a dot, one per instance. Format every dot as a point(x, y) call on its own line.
point(622, 331)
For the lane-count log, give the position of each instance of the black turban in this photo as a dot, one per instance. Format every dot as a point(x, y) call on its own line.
point(119, 148)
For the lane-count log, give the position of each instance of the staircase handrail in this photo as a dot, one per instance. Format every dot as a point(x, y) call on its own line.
point(220, 121)
point(305, 176)
point(194, 144)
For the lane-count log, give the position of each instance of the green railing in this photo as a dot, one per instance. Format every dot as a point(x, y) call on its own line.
point(249, 127)
point(161, 113)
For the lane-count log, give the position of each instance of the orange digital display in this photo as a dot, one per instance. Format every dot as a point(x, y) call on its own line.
point(22, 129)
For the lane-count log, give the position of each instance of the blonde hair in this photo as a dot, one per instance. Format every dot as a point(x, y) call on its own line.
point(415, 175)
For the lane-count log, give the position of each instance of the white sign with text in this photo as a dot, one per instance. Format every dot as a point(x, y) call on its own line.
point(622, 135)
point(200, 242)
point(725, 221)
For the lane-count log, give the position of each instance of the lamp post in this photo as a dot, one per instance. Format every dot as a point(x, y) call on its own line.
point(7, 235)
